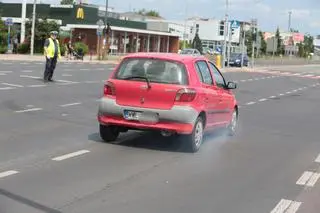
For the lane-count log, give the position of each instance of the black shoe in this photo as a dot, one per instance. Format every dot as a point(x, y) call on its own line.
point(51, 80)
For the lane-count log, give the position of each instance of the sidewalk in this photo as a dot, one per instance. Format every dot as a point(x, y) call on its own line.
point(20, 57)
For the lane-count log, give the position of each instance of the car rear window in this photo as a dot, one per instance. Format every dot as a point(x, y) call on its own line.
point(156, 70)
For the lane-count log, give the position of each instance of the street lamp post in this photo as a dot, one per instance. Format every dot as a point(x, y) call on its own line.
point(225, 33)
point(106, 30)
point(33, 26)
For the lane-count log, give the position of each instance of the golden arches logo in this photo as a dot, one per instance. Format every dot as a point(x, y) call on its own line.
point(80, 13)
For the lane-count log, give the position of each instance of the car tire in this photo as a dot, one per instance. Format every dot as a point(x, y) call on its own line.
point(195, 139)
point(232, 127)
point(109, 133)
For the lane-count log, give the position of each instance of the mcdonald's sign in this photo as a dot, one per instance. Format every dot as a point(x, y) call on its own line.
point(80, 13)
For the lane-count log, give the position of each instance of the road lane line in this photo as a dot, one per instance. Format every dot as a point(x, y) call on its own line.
point(29, 76)
point(26, 71)
point(85, 69)
point(8, 173)
point(314, 178)
point(317, 160)
point(5, 71)
point(308, 75)
point(294, 206)
point(12, 85)
point(6, 63)
point(71, 104)
point(250, 103)
point(66, 75)
point(70, 155)
point(282, 206)
point(262, 99)
point(37, 85)
point(288, 92)
point(243, 80)
point(29, 110)
point(281, 94)
point(304, 178)
point(6, 88)
point(272, 96)
point(294, 90)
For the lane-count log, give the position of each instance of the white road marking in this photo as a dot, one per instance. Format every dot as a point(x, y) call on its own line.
point(243, 80)
point(37, 85)
point(26, 71)
point(288, 92)
point(91, 82)
point(250, 103)
point(24, 63)
point(3, 73)
point(281, 94)
point(12, 85)
point(308, 75)
point(71, 104)
point(6, 63)
point(6, 88)
point(39, 63)
point(66, 75)
point(85, 69)
point(293, 207)
point(272, 96)
point(286, 206)
point(70, 155)
point(8, 173)
point(296, 74)
point(29, 76)
point(314, 178)
point(29, 110)
point(304, 178)
point(317, 160)
point(262, 99)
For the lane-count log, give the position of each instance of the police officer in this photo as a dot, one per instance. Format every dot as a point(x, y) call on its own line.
point(52, 53)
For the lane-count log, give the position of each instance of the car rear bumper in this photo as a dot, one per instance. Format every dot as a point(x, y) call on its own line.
point(179, 119)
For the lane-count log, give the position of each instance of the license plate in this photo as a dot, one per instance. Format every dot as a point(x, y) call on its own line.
point(131, 115)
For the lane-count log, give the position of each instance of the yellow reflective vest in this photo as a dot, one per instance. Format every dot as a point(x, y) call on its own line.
point(51, 48)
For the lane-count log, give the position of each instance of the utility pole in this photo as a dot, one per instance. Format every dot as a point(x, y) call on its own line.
point(254, 38)
point(23, 21)
point(185, 26)
point(106, 30)
point(33, 26)
point(225, 34)
point(243, 43)
point(289, 22)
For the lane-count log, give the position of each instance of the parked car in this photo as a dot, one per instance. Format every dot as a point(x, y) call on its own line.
point(235, 60)
point(190, 52)
point(174, 94)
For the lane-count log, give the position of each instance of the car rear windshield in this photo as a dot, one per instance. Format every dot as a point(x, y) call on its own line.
point(155, 70)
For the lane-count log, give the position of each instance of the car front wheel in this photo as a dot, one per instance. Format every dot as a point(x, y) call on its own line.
point(233, 123)
point(109, 133)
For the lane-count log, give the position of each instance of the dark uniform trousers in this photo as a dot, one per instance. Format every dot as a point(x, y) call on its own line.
point(50, 66)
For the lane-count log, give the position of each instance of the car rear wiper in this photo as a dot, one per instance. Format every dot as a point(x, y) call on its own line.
point(139, 77)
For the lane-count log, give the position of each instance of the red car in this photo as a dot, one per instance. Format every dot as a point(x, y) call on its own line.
point(175, 94)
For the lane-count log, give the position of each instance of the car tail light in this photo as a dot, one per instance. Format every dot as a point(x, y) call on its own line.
point(109, 89)
point(185, 95)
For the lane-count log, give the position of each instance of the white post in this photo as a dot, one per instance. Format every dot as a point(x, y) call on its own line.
point(159, 41)
point(23, 20)
point(225, 33)
point(148, 43)
point(168, 44)
point(33, 26)
point(229, 42)
point(125, 43)
point(137, 42)
point(243, 44)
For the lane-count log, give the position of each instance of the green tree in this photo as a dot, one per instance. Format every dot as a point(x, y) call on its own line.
point(280, 46)
point(197, 44)
point(181, 44)
point(306, 47)
point(152, 13)
point(42, 30)
point(67, 2)
point(263, 47)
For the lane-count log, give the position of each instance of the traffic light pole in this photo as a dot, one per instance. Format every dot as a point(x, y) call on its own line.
point(225, 34)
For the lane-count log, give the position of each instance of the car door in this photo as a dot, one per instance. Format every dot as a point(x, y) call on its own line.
point(225, 95)
point(211, 95)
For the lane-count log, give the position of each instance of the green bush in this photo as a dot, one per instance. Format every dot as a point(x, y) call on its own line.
point(83, 46)
point(23, 48)
point(62, 49)
point(3, 49)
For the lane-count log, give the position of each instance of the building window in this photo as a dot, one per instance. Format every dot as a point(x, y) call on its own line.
point(221, 28)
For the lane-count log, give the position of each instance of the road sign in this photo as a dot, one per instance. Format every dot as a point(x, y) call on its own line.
point(235, 24)
point(219, 49)
point(8, 22)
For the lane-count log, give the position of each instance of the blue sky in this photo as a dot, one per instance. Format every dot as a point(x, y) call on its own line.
point(270, 13)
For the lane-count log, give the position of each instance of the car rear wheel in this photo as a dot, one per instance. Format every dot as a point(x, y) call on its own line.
point(194, 140)
point(232, 127)
point(109, 133)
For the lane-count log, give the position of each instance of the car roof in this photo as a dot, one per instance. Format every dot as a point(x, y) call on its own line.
point(167, 56)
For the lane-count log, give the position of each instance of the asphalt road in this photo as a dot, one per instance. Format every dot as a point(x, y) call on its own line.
point(52, 159)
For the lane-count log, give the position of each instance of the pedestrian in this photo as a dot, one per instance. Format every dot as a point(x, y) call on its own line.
point(70, 50)
point(52, 53)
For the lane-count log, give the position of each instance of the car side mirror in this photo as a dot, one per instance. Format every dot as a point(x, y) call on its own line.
point(231, 85)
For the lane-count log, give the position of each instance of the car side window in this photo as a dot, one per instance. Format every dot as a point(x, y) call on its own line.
point(217, 76)
point(204, 72)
